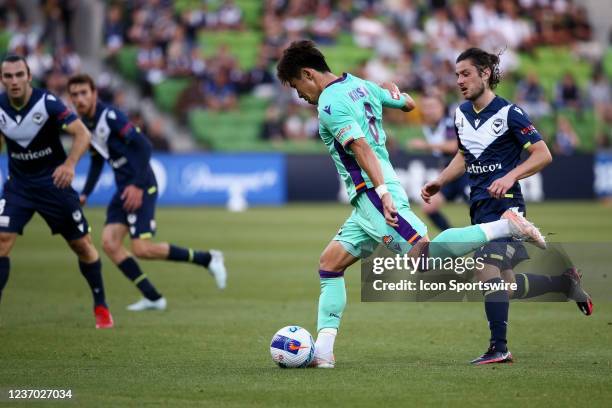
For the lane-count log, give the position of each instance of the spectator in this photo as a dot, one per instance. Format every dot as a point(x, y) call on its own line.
point(566, 140)
point(326, 26)
point(229, 16)
point(272, 126)
point(367, 29)
point(598, 90)
point(531, 96)
point(114, 29)
point(221, 93)
point(567, 93)
point(150, 60)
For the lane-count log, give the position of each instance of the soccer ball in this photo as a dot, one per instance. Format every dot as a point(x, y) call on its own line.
point(292, 347)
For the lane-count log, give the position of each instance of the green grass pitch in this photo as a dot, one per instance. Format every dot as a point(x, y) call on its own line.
point(210, 348)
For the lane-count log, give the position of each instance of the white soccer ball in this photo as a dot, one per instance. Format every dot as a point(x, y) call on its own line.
point(292, 347)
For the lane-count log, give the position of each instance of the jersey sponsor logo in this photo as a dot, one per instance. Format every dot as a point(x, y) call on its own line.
point(529, 130)
point(484, 168)
point(29, 155)
point(342, 131)
point(327, 109)
point(118, 162)
point(497, 125)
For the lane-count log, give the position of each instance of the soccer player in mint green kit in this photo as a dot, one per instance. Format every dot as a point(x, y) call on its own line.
point(350, 117)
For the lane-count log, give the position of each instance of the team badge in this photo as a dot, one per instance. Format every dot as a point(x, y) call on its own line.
point(37, 118)
point(76, 216)
point(131, 218)
point(497, 125)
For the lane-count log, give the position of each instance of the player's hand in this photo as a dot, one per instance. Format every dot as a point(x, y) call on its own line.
point(430, 189)
point(132, 198)
point(418, 144)
point(499, 187)
point(83, 200)
point(63, 175)
point(389, 210)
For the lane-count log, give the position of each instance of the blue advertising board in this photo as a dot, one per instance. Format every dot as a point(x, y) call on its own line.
point(200, 179)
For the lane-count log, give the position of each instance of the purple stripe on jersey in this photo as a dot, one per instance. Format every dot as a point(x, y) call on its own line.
point(351, 165)
point(327, 274)
point(337, 80)
point(404, 228)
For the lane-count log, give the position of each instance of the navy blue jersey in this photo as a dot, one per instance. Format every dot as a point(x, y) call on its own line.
point(122, 145)
point(32, 136)
point(492, 141)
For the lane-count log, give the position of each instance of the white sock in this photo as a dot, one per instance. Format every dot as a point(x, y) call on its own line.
point(496, 229)
point(324, 346)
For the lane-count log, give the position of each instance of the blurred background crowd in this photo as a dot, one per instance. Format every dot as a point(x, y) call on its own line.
point(211, 63)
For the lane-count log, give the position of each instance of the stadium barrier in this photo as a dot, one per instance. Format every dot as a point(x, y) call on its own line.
point(241, 179)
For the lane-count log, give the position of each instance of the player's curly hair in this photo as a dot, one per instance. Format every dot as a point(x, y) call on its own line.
point(482, 60)
point(81, 79)
point(300, 54)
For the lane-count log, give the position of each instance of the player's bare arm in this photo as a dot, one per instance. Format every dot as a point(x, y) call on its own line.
point(64, 174)
point(369, 163)
point(539, 157)
point(391, 87)
point(454, 170)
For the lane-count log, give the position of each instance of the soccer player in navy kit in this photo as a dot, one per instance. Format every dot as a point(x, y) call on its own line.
point(132, 208)
point(492, 134)
point(441, 141)
point(40, 175)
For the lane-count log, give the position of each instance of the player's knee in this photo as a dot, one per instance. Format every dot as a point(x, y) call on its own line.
point(84, 249)
point(6, 243)
point(110, 245)
point(142, 249)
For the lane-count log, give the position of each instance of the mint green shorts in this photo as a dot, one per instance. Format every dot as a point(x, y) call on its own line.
point(366, 227)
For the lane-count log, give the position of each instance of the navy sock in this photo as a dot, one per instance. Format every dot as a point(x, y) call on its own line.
point(439, 220)
point(530, 285)
point(496, 308)
point(132, 271)
point(5, 266)
point(181, 254)
point(92, 272)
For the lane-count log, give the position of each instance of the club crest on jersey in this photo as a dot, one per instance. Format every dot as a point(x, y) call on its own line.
point(37, 118)
point(76, 216)
point(497, 125)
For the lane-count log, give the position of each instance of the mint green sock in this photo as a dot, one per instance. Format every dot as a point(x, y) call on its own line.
point(331, 302)
point(455, 242)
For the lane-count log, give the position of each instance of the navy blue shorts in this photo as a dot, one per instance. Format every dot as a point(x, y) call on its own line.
point(457, 188)
point(141, 223)
point(503, 253)
point(60, 208)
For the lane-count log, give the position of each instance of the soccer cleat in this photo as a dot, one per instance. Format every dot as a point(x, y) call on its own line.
point(320, 362)
point(577, 293)
point(216, 267)
point(147, 304)
point(522, 229)
point(104, 320)
point(493, 356)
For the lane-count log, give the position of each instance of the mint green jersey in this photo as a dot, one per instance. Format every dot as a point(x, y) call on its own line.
point(350, 108)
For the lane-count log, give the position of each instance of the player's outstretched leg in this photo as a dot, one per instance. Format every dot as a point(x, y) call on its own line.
point(112, 243)
point(332, 301)
point(91, 269)
point(456, 242)
point(212, 259)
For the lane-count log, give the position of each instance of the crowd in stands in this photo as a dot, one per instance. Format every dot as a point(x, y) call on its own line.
point(48, 49)
point(411, 42)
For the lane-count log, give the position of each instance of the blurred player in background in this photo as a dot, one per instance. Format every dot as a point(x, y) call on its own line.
point(492, 133)
point(132, 208)
point(350, 124)
point(441, 141)
point(40, 174)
